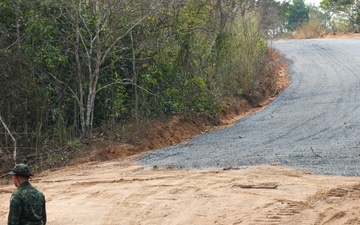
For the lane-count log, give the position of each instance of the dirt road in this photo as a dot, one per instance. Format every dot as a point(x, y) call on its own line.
point(121, 192)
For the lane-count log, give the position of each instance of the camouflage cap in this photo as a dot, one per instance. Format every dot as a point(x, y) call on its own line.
point(21, 169)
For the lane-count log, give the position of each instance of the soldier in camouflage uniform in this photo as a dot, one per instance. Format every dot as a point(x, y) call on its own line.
point(27, 204)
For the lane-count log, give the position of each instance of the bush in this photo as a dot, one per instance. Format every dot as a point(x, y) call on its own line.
point(314, 28)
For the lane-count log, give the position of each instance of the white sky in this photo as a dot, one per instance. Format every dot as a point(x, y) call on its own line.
point(314, 2)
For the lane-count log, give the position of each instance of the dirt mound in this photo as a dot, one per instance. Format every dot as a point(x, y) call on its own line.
point(341, 35)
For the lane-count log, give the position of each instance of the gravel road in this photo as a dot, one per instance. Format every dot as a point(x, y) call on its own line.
point(313, 124)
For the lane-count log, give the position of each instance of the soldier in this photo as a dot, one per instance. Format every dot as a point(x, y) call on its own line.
point(27, 204)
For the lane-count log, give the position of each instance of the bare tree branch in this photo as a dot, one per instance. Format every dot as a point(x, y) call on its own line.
point(12, 137)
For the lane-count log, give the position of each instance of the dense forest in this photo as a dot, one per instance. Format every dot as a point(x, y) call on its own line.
point(70, 69)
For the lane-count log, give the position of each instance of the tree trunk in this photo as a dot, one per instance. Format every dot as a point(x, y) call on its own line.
point(135, 79)
point(79, 71)
point(18, 44)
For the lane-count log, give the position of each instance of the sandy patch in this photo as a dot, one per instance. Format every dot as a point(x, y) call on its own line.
point(121, 192)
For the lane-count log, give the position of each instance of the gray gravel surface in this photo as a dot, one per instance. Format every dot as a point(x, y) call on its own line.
point(313, 124)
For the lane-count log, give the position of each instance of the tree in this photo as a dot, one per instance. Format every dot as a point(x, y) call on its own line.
point(99, 31)
point(272, 17)
point(355, 16)
point(336, 6)
point(12, 137)
point(342, 12)
point(297, 13)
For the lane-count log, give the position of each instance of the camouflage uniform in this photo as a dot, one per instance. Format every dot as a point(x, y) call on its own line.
point(27, 204)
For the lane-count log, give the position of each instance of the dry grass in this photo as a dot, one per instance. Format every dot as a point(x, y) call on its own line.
point(312, 29)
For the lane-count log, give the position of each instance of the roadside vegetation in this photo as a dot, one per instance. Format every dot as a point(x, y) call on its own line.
point(76, 72)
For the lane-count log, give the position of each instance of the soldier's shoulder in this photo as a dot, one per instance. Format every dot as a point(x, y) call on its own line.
point(16, 195)
point(36, 191)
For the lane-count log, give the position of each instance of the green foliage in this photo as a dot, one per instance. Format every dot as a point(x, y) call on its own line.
point(344, 14)
point(262, 45)
point(240, 57)
point(272, 16)
point(198, 97)
point(297, 14)
point(194, 96)
point(76, 143)
point(355, 17)
point(335, 5)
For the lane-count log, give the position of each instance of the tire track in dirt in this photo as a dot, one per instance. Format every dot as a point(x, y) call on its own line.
point(325, 207)
point(118, 192)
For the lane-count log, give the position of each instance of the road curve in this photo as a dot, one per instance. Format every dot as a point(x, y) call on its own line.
point(313, 124)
